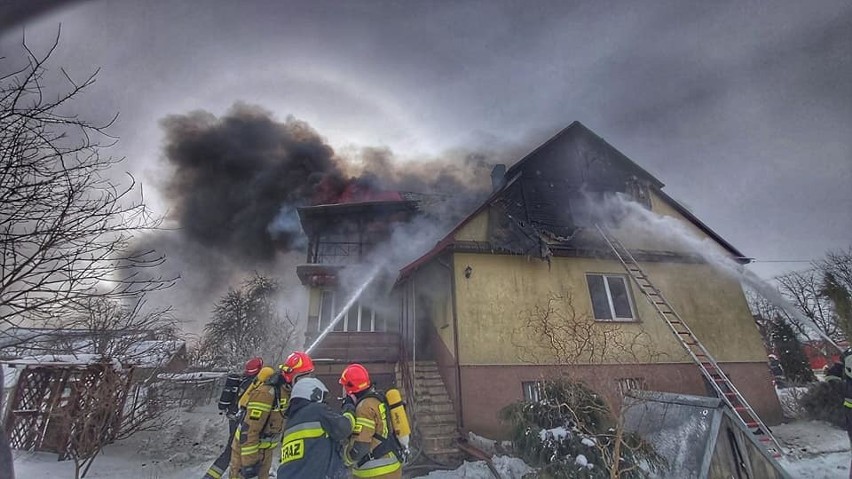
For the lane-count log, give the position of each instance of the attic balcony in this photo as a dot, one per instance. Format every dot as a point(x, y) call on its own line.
point(318, 275)
point(339, 253)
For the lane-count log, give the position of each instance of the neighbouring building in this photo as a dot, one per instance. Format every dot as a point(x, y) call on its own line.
point(465, 319)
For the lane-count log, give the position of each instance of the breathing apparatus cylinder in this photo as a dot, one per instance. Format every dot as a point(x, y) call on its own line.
point(399, 420)
point(229, 392)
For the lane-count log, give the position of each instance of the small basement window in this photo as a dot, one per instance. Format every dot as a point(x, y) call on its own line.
point(626, 385)
point(610, 297)
point(532, 390)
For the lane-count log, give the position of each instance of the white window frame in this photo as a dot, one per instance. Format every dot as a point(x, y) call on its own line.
point(359, 324)
point(633, 317)
point(320, 325)
point(626, 385)
point(532, 390)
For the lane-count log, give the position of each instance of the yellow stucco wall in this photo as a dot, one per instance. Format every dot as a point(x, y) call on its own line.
point(502, 290)
point(475, 230)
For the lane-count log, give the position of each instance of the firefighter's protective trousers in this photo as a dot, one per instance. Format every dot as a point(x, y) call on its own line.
point(372, 426)
point(260, 430)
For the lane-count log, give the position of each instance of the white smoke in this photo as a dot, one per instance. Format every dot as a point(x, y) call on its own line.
point(635, 220)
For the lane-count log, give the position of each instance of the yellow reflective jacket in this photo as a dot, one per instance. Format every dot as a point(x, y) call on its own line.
point(263, 422)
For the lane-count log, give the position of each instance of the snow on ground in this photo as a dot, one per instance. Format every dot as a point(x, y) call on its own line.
point(815, 450)
point(186, 448)
point(508, 467)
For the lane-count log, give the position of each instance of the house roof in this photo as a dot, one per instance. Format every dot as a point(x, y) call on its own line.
point(513, 173)
point(578, 128)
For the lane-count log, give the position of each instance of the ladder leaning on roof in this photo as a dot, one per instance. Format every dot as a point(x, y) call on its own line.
point(725, 389)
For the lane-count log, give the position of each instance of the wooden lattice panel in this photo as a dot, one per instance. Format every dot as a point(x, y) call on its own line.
point(25, 410)
point(62, 408)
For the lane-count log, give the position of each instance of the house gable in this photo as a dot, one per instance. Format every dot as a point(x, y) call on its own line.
point(538, 209)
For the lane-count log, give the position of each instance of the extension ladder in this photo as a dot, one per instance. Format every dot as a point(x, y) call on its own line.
point(725, 389)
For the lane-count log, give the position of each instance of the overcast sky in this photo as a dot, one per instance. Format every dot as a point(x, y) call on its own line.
point(743, 110)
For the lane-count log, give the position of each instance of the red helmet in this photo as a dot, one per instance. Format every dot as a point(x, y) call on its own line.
point(253, 366)
point(355, 379)
point(295, 365)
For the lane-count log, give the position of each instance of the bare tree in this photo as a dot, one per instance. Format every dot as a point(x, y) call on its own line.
point(821, 293)
point(101, 396)
point(804, 289)
point(247, 322)
point(837, 286)
point(127, 330)
point(555, 332)
point(65, 226)
point(565, 336)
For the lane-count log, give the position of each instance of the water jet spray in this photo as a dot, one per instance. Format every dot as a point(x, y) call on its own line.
point(357, 294)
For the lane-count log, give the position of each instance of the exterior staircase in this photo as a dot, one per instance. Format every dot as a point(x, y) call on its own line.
point(433, 414)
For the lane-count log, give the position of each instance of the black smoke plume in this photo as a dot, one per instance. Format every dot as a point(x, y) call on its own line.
point(231, 176)
point(233, 184)
point(237, 180)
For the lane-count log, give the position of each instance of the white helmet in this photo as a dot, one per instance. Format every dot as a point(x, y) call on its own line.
point(309, 388)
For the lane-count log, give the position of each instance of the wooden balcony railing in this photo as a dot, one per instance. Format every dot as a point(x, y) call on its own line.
point(354, 347)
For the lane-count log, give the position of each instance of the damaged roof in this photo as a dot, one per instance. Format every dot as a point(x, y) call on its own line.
point(533, 208)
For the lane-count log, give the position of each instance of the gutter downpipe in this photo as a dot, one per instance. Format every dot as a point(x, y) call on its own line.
point(452, 268)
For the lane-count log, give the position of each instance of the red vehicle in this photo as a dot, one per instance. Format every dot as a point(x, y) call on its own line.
point(821, 354)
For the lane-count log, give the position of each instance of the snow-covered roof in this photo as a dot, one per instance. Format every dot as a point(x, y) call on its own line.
point(131, 348)
point(196, 376)
point(151, 353)
point(83, 359)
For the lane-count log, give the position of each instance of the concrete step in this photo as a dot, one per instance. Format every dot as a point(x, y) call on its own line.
point(427, 377)
point(434, 409)
point(421, 391)
point(427, 400)
point(429, 382)
point(446, 417)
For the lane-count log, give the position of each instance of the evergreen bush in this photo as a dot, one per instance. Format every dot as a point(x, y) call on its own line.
point(824, 401)
point(570, 432)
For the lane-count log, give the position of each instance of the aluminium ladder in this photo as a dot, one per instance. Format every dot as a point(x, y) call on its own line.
point(725, 389)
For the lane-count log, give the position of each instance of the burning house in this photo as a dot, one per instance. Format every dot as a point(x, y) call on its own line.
point(473, 324)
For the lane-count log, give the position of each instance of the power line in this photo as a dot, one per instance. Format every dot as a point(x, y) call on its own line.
point(782, 261)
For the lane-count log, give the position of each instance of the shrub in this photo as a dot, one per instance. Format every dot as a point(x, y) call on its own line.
point(570, 432)
point(824, 401)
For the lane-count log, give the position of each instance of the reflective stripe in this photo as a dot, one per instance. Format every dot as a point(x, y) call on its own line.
point(365, 422)
point(351, 417)
point(267, 444)
point(847, 402)
point(306, 430)
point(215, 472)
point(249, 450)
point(377, 467)
point(259, 405)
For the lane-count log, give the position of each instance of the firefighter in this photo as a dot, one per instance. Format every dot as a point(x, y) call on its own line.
point(264, 419)
point(258, 432)
point(847, 395)
point(235, 387)
point(847, 392)
point(372, 450)
point(311, 444)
